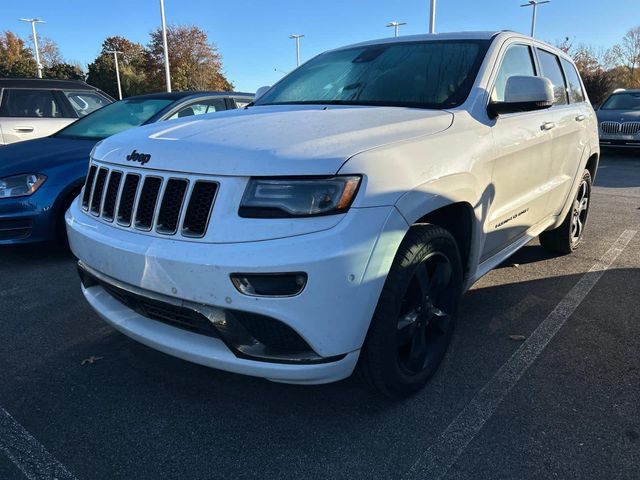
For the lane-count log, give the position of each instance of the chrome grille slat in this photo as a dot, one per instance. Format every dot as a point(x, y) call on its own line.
point(150, 201)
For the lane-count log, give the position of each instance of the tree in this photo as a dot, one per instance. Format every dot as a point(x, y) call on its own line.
point(627, 55)
point(16, 59)
point(131, 62)
point(195, 62)
point(49, 52)
point(64, 71)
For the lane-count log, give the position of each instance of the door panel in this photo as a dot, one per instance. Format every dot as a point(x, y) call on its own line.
point(522, 150)
point(20, 129)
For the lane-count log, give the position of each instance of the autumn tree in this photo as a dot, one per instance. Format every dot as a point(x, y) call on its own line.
point(194, 61)
point(627, 55)
point(16, 59)
point(132, 62)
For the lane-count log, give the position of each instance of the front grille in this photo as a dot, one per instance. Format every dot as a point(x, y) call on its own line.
point(617, 128)
point(168, 206)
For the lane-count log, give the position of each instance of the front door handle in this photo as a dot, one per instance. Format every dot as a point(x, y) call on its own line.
point(580, 118)
point(23, 129)
point(547, 126)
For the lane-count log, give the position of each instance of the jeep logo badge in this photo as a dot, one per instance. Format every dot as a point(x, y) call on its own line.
point(139, 157)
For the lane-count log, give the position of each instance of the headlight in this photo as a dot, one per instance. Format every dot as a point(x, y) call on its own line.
point(21, 185)
point(298, 197)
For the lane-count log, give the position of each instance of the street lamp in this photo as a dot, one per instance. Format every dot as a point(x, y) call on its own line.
point(534, 4)
point(115, 59)
point(396, 27)
point(432, 17)
point(297, 38)
point(167, 74)
point(33, 22)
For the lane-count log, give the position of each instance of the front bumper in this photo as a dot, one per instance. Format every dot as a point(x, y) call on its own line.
point(28, 219)
point(346, 266)
point(628, 141)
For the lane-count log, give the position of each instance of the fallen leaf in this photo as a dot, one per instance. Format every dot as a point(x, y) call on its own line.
point(91, 359)
point(517, 338)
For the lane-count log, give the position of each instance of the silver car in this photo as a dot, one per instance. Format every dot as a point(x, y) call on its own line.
point(619, 119)
point(33, 108)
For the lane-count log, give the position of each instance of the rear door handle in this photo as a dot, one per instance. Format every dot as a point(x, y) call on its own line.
point(547, 126)
point(23, 129)
point(580, 118)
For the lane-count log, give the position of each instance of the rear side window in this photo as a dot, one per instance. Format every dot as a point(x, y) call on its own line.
point(85, 102)
point(30, 104)
point(576, 95)
point(550, 66)
point(200, 108)
point(517, 61)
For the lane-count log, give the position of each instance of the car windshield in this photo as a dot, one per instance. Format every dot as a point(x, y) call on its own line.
point(428, 74)
point(114, 118)
point(622, 101)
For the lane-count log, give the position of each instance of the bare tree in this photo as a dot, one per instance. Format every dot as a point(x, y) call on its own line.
point(627, 55)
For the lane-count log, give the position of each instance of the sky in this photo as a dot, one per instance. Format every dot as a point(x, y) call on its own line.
point(252, 35)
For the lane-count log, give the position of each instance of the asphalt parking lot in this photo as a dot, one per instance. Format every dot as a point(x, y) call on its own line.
point(80, 401)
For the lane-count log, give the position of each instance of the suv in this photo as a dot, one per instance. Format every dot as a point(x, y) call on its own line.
point(338, 220)
point(33, 108)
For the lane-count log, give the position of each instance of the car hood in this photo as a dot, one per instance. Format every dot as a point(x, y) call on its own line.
point(43, 154)
point(270, 140)
point(618, 115)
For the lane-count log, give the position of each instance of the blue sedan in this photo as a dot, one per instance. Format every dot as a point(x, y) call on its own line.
point(40, 178)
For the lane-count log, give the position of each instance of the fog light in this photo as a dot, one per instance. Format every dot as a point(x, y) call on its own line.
point(269, 284)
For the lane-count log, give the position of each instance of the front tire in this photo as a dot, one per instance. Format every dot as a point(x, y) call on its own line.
point(414, 319)
point(566, 238)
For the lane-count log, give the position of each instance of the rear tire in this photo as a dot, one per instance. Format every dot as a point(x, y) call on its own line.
point(414, 319)
point(566, 238)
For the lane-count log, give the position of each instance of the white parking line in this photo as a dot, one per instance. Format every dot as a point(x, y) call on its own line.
point(436, 461)
point(27, 453)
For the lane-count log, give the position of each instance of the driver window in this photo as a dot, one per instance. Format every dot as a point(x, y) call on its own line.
point(517, 61)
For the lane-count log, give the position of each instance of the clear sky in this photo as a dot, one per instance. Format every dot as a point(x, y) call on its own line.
point(252, 35)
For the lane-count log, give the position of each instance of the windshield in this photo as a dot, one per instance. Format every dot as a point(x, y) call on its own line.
point(114, 118)
point(432, 74)
point(622, 101)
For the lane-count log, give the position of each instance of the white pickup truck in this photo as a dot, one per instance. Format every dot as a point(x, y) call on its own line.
point(336, 222)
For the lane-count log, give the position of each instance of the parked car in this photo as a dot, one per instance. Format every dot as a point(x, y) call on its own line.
point(339, 219)
point(619, 119)
point(39, 178)
point(33, 108)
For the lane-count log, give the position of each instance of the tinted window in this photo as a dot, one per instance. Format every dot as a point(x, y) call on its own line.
point(550, 66)
point(622, 101)
point(29, 103)
point(85, 102)
point(576, 95)
point(114, 118)
point(200, 108)
point(517, 61)
point(434, 74)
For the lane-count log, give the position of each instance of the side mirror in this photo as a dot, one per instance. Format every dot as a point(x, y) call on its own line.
point(261, 91)
point(523, 94)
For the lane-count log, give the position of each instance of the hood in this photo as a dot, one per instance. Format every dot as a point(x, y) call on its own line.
point(270, 140)
point(43, 154)
point(618, 115)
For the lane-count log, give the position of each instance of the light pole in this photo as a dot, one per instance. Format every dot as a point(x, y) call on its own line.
point(534, 4)
point(167, 74)
point(115, 59)
point(432, 17)
point(297, 38)
point(396, 27)
point(33, 22)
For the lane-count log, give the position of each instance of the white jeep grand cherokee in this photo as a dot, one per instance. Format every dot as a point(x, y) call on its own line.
point(338, 220)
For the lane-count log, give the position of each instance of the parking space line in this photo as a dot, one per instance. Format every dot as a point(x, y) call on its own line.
point(33, 460)
point(436, 461)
